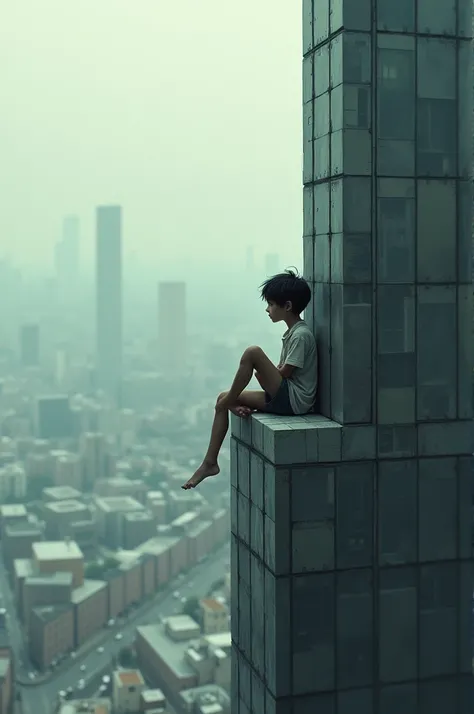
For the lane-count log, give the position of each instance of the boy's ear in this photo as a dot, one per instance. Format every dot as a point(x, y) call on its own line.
point(288, 306)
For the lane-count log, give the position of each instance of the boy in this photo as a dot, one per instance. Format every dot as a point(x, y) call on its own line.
point(288, 389)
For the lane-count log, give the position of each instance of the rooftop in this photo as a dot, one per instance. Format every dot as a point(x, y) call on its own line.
point(15, 529)
point(13, 510)
point(129, 678)
point(61, 493)
point(110, 504)
point(185, 520)
point(23, 567)
point(157, 545)
point(87, 590)
point(92, 706)
point(50, 580)
point(151, 696)
point(57, 550)
point(169, 651)
point(50, 613)
point(212, 604)
point(139, 516)
point(199, 527)
point(70, 506)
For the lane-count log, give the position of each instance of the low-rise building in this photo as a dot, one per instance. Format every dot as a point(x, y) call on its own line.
point(110, 514)
point(115, 580)
point(12, 513)
point(208, 699)
point(200, 541)
point(61, 493)
point(17, 540)
point(214, 615)
point(50, 589)
point(132, 582)
point(161, 654)
point(138, 527)
point(81, 706)
point(60, 515)
point(160, 548)
point(156, 502)
point(153, 700)
point(148, 575)
point(51, 633)
point(90, 603)
point(69, 471)
point(60, 556)
point(127, 688)
point(22, 569)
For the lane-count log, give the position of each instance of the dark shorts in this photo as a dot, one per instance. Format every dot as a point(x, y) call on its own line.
point(280, 403)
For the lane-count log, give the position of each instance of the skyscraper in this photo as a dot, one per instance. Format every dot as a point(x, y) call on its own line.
point(109, 299)
point(172, 327)
point(272, 264)
point(30, 345)
point(351, 529)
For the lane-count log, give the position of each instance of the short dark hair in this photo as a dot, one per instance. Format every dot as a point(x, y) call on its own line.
point(287, 287)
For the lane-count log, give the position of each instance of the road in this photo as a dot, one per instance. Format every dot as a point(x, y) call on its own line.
point(38, 699)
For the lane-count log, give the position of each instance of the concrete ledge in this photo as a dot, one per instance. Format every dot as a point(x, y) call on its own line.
point(312, 438)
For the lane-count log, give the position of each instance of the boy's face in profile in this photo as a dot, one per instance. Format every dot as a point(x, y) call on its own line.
point(277, 313)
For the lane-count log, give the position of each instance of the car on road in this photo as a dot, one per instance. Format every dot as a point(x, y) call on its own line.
point(69, 692)
point(62, 694)
point(73, 655)
point(106, 679)
point(82, 667)
point(100, 650)
point(111, 623)
point(119, 636)
point(176, 595)
point(81, 684)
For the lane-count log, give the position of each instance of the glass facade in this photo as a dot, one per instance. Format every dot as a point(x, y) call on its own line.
point(351, 545)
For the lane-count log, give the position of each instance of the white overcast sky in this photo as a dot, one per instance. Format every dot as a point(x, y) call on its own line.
point(187, 112)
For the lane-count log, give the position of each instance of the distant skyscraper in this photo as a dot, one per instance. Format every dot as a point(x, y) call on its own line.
point(29, 345)
point(272, 264)
point(172, 327)
point(67, 255)
point(109, 299)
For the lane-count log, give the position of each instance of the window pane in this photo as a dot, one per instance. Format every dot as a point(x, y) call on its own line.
point(396, 354)
point(313, 632)
point(321, 208)
point(437, 509)
point(437, 110)
point(438, 696)
point(397, 505)
point(321, 70)
point(436, 231)
point(357, 60)
point(398, 625)
point(396, 93)
point(438, 619)
point(399, 698)
point(396, 16)
point(396, 231)
point(436, 352)
point(437, 17)
point(354, 628)
point(464, 108)
point(354, 499)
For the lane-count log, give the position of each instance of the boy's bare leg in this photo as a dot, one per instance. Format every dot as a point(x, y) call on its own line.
point(251, 400)
point(254, 358)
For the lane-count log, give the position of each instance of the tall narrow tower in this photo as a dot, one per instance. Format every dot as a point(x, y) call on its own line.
point(109, 298)
point(172, 327)
point(67, 256)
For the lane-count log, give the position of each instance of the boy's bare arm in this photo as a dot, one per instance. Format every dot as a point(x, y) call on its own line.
point(286, 370)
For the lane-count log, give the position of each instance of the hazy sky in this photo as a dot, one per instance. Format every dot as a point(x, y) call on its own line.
point(187, 112)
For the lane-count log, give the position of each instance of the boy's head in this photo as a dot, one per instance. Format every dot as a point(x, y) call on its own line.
point(285, 293)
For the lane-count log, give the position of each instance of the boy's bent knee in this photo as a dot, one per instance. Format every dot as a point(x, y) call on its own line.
point(222, 395)
point(252, 352)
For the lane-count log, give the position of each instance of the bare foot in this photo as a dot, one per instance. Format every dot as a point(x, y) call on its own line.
point(203, 472)
point(242, 412)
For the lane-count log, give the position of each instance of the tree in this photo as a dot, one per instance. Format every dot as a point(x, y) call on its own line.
point(127, 657)
point(191, 607)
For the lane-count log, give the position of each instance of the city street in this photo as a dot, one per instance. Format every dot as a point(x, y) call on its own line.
point(38, 698)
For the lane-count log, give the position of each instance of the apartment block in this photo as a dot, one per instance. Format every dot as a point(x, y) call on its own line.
point(90, 602)
point(59, 556)
point(51, 633)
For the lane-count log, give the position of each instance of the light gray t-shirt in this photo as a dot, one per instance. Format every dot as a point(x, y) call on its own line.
point(299, 350)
